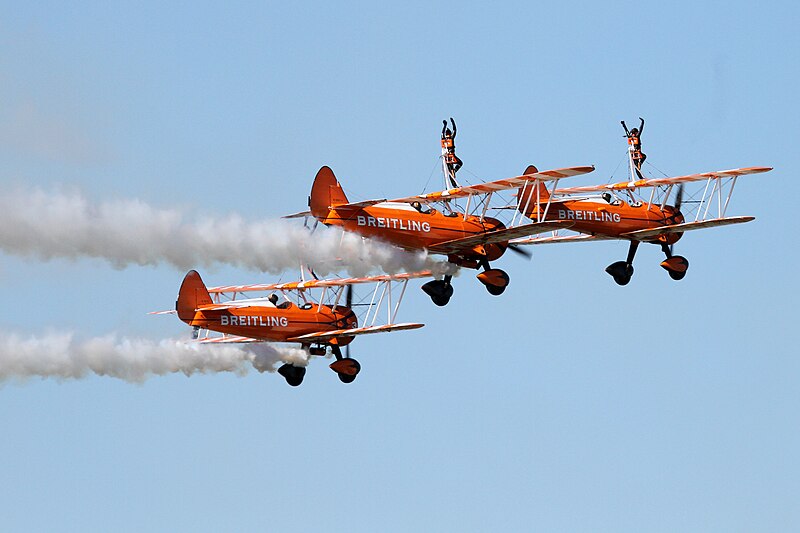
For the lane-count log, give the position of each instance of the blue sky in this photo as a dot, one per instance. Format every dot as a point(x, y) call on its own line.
point(569, 403)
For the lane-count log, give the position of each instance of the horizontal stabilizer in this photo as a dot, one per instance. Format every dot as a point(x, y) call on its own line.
point(301, 214)
point(645, 234)
point(502, 235)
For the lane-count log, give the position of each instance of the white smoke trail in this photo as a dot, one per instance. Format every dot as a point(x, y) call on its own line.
point(35, 223)
point(59, 355)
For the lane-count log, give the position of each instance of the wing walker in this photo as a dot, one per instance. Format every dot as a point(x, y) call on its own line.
point(436, 222)
point(321, 316)
point(637, 210)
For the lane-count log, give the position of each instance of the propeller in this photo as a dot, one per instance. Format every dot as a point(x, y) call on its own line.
point(678, 202)
point(517, 249)
point(348, 298)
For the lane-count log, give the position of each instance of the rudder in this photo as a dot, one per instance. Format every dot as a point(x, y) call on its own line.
point(529, 194)
point(192, 294)
point(326, 192)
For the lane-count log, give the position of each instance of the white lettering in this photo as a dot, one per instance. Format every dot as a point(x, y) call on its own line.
point(362, 220)
point(371, 221)
point(562, 214)
point(426, 227)
point(223, 320)
point(381, 222)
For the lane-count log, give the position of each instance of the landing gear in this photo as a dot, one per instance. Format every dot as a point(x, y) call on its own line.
point(494, 279)
point(675, 265)
point(440, 290)
point(622, 271)
point(346, 368)
point(292, 374)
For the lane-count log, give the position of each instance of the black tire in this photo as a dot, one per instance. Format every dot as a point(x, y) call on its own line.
point(347, 378)
point(440, 300)
point(677, 276)
point(494, 290)
point(622, 280)
point(295, 377)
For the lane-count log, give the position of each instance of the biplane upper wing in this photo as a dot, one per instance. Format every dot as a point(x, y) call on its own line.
point(302, 285)
point(328, 335)
point(494, 186)
point(687, 226)
point(655, 182)
point(502, 235)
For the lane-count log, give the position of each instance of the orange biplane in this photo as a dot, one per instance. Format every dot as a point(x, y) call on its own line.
point(329, 320)
point(465, 235)
point(621, 211)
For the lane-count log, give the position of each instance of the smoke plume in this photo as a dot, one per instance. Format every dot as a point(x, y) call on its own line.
point(45, 225)
point(60, 356)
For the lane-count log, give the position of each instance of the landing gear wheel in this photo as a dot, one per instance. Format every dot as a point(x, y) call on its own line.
point(346, 378)
point(439, 290)
point(346, 368)
point(292, 374)
point(677, 276)
point(621, 272)
point(676, 266)
point(494, 290)
point(495, 281)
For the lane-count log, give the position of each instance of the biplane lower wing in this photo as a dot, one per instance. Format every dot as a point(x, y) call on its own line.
point(563, 238)
point(502, 235)
point(687, 226)
point(328, 335)
point(229, 339)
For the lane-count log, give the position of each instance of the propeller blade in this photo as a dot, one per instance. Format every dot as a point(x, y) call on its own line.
point(679, 197)
point(349, 296)
point(347, 351)
point(517, 249)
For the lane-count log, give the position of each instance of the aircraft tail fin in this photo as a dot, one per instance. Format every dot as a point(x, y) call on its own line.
point(325, 193)
point(532, 194)
point(192, 294)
